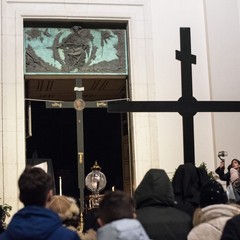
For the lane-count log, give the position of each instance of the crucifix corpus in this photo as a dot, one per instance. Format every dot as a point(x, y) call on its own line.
point(187, 106)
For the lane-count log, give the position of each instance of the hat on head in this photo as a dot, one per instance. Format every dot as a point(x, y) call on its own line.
point(212, 193)
point(65, 207)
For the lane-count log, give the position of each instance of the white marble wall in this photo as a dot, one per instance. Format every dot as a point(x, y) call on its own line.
point(136, 12)
point(224, 63)
point(154, 75)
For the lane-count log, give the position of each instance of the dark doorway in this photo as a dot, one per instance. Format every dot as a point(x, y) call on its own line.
point(54, 136)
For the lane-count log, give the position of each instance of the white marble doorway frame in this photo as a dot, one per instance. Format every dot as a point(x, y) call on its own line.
point(13, 14)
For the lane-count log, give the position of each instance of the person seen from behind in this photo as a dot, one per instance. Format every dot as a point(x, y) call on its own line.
point(117, 218)
point(187, 182)
point(210, 219)
point(68, 211)
point(35, 221)
point(231, 230)
point(156, 208)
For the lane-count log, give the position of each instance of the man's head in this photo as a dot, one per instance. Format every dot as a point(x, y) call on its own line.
point(114, 206)
point(35, 187)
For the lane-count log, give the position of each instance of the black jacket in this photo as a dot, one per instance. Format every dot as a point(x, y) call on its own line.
point(187, 182)
point(155, 208)
point(224, 176)
point(231, 230)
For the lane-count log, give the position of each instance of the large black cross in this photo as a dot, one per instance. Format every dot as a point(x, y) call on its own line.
point(187, 106)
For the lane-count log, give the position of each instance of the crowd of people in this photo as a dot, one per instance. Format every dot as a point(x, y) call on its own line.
point(192, 206)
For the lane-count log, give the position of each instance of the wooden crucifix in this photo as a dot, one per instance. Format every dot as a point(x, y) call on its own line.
point(187, 106)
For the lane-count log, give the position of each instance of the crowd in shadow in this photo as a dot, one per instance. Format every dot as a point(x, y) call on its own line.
point(191, 206)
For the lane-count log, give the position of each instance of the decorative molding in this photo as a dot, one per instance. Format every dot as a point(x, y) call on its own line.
point(94, 2)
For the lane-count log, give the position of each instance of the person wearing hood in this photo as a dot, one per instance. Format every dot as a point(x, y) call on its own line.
point(117, 218)
point(214, 212)
point(187, 182)
point(155, 208)
point(35, 221)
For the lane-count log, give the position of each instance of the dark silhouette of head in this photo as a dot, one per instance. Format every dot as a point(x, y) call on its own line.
point(114, 206)
point(35, 187)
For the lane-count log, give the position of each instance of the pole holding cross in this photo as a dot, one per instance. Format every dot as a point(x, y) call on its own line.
point(187, 106)
point(79, 104)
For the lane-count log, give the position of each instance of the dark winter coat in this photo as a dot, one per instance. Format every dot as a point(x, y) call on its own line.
point(231, 230)
point(37, 223)
point(187, 182)
point(156, 210)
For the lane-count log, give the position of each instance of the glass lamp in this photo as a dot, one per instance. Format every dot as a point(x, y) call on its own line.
point(95, 181)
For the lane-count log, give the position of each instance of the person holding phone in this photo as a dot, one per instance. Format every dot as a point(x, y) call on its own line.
point(226, 176)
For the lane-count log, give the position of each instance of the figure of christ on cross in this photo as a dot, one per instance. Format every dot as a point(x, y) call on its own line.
point(187, 106)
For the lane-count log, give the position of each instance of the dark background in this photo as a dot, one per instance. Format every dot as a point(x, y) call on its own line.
point(54, 136)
